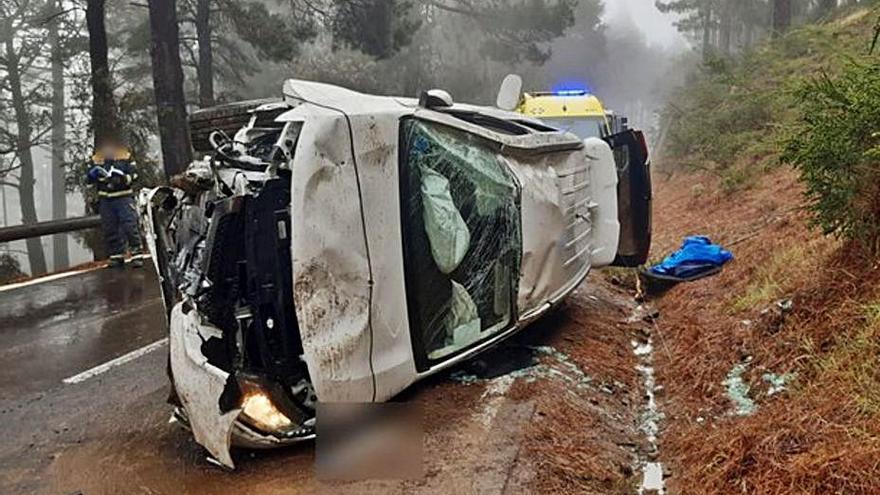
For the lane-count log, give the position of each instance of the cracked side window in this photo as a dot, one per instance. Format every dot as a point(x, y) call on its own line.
point(462, 239)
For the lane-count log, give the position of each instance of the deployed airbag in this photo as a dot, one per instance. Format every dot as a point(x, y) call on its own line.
point(446, 229)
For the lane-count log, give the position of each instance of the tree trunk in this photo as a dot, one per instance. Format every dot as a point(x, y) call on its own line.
point(205, 67)
point(60, 253)
point(168, 87)
point(781, 17)
point(36, 257)
point(381, 17)
point(748, 35)
point(707, 32)
point(104, 121)
point(725, 27)
point(5, 214)
point(826, 6)
point(724, 37)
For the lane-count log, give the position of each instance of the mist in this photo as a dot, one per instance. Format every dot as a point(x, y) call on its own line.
point(657, 28)
point(624, 51)
point(630, 66)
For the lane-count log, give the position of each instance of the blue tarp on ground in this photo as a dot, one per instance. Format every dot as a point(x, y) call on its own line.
point(697, 257)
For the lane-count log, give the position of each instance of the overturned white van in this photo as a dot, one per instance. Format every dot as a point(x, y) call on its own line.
point(341, 246)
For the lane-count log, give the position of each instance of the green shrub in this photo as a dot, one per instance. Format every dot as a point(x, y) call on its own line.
point(835, 144)
point(734, 112)
point(720, 114)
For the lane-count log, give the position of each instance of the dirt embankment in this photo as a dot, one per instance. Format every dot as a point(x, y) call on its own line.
point(796, 318)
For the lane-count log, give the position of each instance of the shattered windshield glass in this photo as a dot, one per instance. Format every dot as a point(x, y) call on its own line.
point(462, 239)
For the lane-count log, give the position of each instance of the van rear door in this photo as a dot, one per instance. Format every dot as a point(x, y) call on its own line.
point(634, 197)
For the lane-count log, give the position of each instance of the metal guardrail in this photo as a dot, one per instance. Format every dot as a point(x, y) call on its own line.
point(18, 232)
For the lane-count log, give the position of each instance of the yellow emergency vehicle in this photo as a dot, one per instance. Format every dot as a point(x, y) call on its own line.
point(573, 110)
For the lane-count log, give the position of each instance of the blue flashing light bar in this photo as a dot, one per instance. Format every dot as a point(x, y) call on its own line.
point(570, 92)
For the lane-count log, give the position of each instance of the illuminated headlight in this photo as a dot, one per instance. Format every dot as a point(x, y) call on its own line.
point(262, 413)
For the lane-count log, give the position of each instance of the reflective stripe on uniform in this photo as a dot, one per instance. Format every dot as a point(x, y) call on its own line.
point(115, 194)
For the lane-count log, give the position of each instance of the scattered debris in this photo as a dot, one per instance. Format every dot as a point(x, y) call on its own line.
point(738, 390)
point(642, 349)
point(777, 382)
point(785, 305)
point(464, 377)
point(772, 318)
point(643, 312)
point(560, 366)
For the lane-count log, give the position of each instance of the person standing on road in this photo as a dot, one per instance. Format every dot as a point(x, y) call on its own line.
point(113, 172)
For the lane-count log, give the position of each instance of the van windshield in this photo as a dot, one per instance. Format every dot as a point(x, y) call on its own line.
point(582, 127)
point(462, 241)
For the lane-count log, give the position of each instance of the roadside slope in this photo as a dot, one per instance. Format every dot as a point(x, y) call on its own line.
point(770, 369)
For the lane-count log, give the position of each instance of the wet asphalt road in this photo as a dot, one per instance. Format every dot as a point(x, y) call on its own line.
point(57, 329)
point(110, 434)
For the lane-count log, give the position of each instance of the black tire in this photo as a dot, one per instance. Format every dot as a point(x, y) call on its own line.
point(228, 118)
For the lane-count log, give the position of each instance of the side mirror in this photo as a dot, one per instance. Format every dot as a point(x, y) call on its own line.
point(435, 98)
point(510, 93)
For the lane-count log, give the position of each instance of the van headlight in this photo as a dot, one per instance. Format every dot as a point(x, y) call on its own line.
point(259, 411)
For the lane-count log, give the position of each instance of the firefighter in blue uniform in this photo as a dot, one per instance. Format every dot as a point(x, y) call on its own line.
point(113, 172)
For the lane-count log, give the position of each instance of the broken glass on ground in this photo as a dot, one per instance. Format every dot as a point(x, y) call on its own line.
point(738, 390)
point(777, 383)
point(524, 362)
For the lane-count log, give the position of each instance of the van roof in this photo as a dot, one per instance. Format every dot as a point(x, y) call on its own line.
point(561, 104)
point(320, 99)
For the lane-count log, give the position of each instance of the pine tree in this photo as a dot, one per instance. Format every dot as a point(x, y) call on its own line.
point(22, 59)
point(376, 27)
point(246, 40)
point(168, 87)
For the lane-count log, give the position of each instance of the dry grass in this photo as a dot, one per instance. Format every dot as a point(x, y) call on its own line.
point(823, 434)
point(784, 270)
point(579, 439)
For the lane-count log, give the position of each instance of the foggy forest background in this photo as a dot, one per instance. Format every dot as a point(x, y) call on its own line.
point(631, 54)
